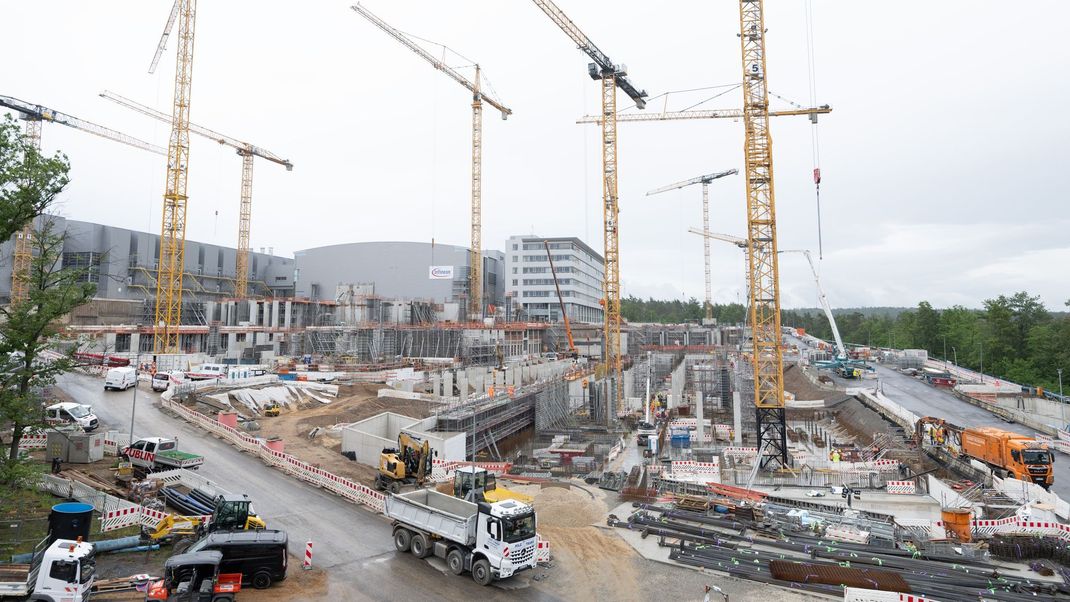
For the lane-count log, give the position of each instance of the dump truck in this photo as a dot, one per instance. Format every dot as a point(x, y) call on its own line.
point(491, 540)
point(1010, 454)
point(159, 453)
point(62, 570)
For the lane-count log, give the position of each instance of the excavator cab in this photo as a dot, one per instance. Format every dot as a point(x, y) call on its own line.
point(233, 513)
point(473, 478)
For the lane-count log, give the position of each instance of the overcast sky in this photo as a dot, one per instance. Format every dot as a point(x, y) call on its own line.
point(944, 159)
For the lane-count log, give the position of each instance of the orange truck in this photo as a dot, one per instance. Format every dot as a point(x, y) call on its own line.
point(1016, 456)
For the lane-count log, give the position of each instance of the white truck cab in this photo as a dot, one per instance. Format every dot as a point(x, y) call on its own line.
point(62, 572)
point(507, 536)
point(72, 413)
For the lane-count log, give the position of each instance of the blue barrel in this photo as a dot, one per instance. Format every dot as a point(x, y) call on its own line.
point(70, 520)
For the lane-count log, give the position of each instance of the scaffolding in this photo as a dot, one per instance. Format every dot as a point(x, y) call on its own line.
point(489, 420)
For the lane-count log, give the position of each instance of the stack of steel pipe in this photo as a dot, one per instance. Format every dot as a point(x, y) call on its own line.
point(703, 541)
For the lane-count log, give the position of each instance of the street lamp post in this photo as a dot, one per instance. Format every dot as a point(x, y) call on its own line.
point(133, 403)
point(944, 336)
point(1060, 371)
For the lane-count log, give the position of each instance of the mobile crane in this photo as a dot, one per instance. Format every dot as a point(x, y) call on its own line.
point(561, 301)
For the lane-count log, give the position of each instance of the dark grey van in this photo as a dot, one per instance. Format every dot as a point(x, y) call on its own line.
point(260, 556)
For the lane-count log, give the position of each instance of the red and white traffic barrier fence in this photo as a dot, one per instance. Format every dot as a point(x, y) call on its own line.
point(542, 550)
point(740, 451)
point(36, 441)
point(307, 565)
point(902, 487)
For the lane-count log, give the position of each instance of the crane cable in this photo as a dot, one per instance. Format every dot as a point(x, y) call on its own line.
point(815, 141)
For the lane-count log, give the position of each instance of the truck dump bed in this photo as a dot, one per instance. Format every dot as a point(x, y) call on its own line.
point(443, 515)
point(179, 459)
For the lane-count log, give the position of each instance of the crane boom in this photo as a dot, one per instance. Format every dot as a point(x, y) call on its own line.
point(560, 300)
point(38, 113)
point(735, 240)
point(813, 112)
point(245, 212)
point(427, 56)
point(601, 60)
point(475, 262)
point(824, 303)
point(169, 275)
point(223, 139)
point(705, 181)
point(162, 46)
point(35, 115)
point(612, 76)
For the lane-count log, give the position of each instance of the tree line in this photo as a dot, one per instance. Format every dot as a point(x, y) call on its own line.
point(1012, 336)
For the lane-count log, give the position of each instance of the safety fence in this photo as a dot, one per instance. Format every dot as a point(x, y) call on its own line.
point(902, 487)
point(34, 441)
point(934, 529)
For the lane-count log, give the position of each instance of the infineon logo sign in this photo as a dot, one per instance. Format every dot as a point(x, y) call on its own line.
point(441, 272)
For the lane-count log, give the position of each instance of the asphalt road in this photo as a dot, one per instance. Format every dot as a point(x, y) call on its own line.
point(924, 400)
point(353, 545)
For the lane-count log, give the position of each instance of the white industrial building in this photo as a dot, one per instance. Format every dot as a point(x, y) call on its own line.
point(529, 284)
point(367, 438)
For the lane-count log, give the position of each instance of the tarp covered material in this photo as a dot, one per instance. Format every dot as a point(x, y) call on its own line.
point(287, 394)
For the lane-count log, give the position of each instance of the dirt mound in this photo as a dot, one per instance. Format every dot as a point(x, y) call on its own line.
point(568, 508)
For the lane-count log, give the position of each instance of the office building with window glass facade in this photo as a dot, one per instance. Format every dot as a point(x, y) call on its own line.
point(529, 284)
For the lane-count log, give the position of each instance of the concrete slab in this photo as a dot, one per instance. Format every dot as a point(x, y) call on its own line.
point(900, 506)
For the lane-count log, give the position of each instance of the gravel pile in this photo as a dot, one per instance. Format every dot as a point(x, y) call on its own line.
point(558, 507)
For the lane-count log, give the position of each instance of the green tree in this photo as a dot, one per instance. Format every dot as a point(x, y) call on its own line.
point(927, 327)
point(29, 332)
point(29, 181)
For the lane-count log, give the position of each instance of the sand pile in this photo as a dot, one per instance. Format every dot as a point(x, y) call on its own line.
point(558, 507)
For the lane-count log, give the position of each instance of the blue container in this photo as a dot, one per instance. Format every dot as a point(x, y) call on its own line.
point(288, 376)
point(70, 520)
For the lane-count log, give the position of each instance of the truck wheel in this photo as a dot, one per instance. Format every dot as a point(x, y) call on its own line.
point(420, 547)
point(402, 540)
point(481, 572)
point(455, 560)
point(262, 580)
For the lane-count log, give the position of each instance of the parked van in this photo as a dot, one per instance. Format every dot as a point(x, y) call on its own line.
point(161, 381)
point(120, 379)
point(260, 556)
point(72, 413)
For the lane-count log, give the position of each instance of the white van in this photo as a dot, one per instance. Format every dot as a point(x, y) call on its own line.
point(120, 379)
point(76, 413)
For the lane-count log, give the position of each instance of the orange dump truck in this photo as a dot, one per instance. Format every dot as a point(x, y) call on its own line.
point(1017, 456)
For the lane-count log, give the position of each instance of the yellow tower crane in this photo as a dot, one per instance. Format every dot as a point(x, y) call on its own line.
point(764, 273)
point(34, 115)
point(612, 76)
point(705, 181)
point(168, 314)
point(246, 151)
point(475, 267)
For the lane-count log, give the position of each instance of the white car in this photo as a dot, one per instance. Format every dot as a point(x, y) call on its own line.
point(161, 381)
point(72, 413)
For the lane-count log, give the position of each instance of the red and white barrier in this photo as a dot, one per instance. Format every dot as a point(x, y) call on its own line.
point(857, 594)
point(902, 487)
point(740, 451)
point(542, 550)
point(35, 441)
point(307, 565)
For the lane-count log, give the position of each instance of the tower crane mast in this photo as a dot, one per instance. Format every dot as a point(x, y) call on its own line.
point(475, 269)
point(705, 181)
point(169, 275)
point(761, 241)
point(34, 115)
point(246, 151)
point(612, 76)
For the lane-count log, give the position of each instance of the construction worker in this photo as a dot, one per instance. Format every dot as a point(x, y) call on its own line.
point(835, 456)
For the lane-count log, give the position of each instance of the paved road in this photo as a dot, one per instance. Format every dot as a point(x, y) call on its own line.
point(352, 544)
point(924, 400)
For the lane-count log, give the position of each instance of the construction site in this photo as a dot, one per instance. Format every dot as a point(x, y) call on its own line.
point(388, 419)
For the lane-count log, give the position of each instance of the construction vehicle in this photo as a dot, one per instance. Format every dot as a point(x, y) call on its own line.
point(159, 453)
point(234, 513)
point(474, 478)
point(173, 527)
point(407, 464)
point(71, 413)
point(492, 540)
point(561, 301)
point(64, 570)
point(1010, 454)
point(195, 577)
point(272, 410)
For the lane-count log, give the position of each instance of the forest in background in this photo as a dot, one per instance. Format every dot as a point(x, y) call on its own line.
point(1015, 337)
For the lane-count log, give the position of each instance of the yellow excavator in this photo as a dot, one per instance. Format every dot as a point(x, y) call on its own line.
point(407, 464)
point(469, 478)
point(231, 513)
